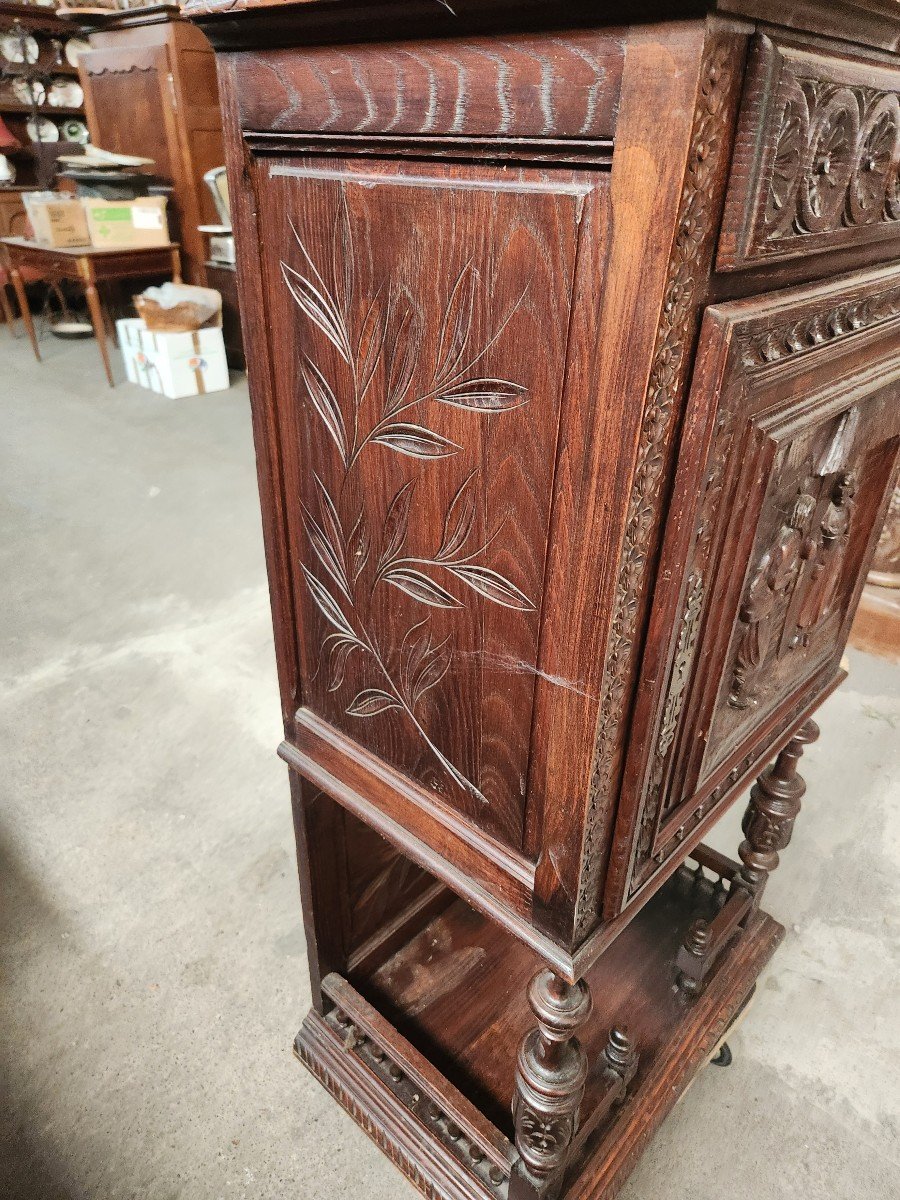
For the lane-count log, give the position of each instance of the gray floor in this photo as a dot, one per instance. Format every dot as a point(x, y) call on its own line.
point(150, 947)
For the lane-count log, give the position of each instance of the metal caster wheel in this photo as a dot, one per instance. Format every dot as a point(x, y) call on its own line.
point(724, 1058)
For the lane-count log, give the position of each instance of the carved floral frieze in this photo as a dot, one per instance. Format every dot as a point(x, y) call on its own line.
point(826, 169)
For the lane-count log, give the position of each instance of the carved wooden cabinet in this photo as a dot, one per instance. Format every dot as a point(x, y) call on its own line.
point(574, 356)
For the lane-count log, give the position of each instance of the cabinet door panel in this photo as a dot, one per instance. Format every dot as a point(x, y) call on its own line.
point(418, 324)
point(788, 456)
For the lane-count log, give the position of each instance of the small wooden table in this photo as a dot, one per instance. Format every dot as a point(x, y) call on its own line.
point(89, 266)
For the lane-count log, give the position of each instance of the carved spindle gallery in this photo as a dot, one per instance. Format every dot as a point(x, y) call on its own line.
point(550, 1077)
point(621, 1057)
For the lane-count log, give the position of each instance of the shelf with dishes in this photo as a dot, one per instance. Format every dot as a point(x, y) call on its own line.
point(52, 91)
point(41, 99)
point(44, 111)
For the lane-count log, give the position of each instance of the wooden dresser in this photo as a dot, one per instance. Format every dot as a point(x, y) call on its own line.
point(574, 355)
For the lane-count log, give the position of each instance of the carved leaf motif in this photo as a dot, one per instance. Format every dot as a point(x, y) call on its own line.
point(315, 302)
point(372, 701)
point(415, 441)
point(457, 323)
point(485, 395)
point(396, 524)
point(492, 585)
point(341, 650)
point(328, 550)
point(420, 587)
point(343, 258)
point(327, 606)
point(402, 360)
point(325, 404)
point(358, 548)
point(458, 521)
point(431, 671)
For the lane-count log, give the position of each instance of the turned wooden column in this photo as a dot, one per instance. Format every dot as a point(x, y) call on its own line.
point(550, 1077)
point(774, 804)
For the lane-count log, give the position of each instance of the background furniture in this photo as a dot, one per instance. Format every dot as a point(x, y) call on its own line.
point(574, 445)
point(34, 161)
point(89, 267)
point(221, 276)
point(150, 89)
point(877, 625)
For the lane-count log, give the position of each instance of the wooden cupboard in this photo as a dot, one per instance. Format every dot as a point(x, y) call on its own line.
point(150, 89)
point(574, 442)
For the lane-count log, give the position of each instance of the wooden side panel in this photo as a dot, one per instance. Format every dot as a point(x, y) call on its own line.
point(791, 447)
point(420, 317)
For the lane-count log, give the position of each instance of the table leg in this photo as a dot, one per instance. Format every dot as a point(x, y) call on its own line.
point(8, 315)
point(95, 308)
point(24, 310)
point(176, 267)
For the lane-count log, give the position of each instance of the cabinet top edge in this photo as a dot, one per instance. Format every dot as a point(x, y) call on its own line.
point(254, 24)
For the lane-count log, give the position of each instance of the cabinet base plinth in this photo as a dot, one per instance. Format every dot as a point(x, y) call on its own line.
point(438, 1124)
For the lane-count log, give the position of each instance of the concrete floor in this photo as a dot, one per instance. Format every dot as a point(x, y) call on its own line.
point(150, 947)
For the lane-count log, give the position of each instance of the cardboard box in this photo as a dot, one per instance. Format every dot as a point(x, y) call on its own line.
point(57, 220)
point(127, 224)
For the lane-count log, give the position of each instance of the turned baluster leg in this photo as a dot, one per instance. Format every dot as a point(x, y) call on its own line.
point(550, 1077)
point(773, 808)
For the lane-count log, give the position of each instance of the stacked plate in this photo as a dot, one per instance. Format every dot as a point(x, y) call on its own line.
point(19, 48)
point(65, 93)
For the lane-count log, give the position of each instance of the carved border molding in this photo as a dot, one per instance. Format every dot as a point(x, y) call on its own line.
point(688, 265)
point(817, 158)
point(768, 345)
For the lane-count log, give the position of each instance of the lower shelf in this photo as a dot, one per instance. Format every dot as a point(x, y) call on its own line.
point(422, 1052)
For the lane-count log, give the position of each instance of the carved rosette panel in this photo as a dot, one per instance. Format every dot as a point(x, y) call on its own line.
point(691, 255)
point(826, 170)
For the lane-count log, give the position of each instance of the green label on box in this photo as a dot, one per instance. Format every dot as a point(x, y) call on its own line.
point(113, 214)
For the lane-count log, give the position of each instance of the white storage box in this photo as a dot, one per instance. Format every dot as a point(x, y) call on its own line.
point(173, 364)
point(129, 332)
point(186, 364)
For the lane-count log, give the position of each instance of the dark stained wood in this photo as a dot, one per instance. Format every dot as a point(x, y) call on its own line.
point(574, 449)
point(459, 992)
point(483, 87)
point(766, 424)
